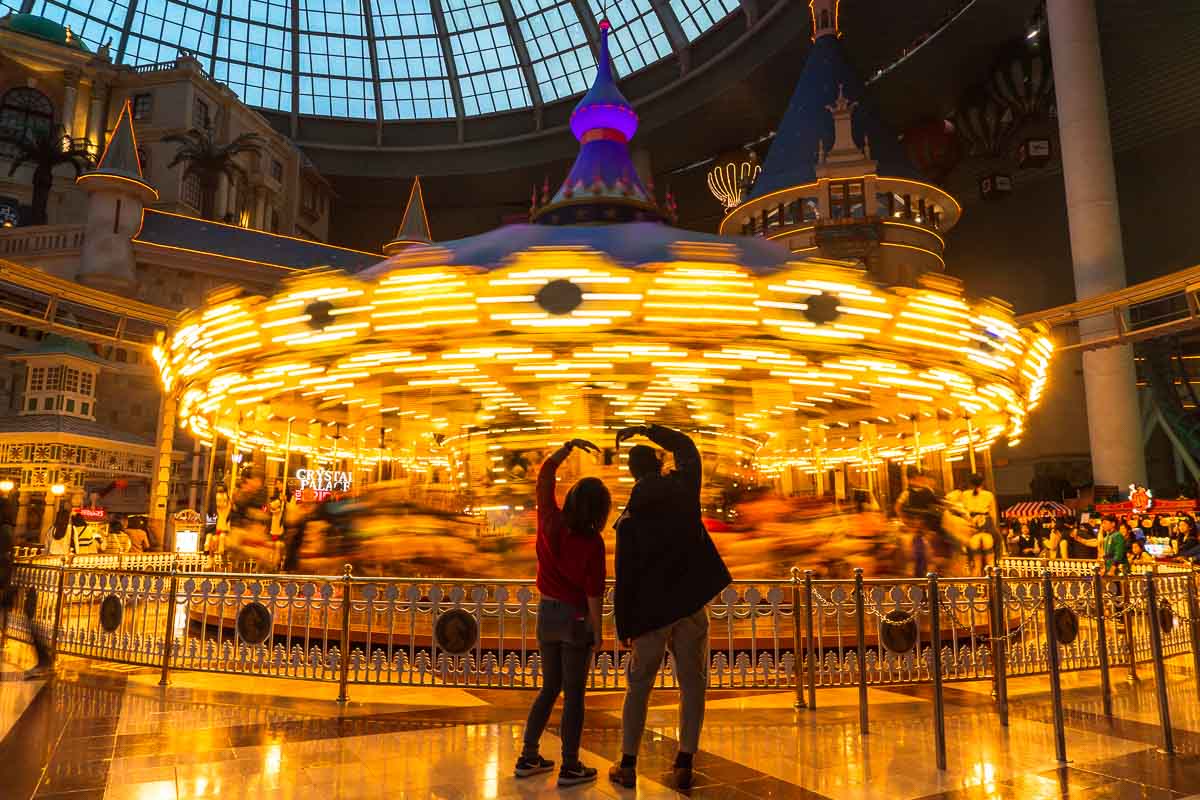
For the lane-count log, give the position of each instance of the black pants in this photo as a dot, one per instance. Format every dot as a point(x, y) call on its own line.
point(565, 644)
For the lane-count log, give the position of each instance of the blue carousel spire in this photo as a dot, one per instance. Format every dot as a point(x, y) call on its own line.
point(603, 185)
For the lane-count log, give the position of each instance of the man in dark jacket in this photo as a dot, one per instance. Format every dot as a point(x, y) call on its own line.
point(667, 571)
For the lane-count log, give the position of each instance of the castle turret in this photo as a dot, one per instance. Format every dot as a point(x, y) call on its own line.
point(603, 185)
point(837, 183)
point(117, 194)
point(414, 227)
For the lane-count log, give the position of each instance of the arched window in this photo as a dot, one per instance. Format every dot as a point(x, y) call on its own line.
point(23, 111)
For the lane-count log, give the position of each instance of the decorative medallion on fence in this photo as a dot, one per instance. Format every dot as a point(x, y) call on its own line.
point(111, 613)
point(898, 631)
point(456, 632)
point(1166, 617)
point(1066, 625)
point(254, 623)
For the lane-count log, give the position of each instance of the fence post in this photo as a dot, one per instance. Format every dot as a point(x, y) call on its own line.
point(1060, 736)
point(169, 634)
point(812, 644)
point(1194, 616)
point(1127, 620)
point(799, 659)
point(344, 679)
point(860, 608)
point(58, 604)
point(1000, 644)
point(1160, 669)
point(935, 667)
point(1102, 640)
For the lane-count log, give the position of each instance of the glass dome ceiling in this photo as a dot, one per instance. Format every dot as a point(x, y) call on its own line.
point(389, 59)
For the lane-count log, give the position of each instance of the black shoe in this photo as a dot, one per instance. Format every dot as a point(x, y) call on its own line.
point(575, 774)
point(683, 777)
point(532, 765)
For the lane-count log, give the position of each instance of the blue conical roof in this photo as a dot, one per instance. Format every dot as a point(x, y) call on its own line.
point(604, 107)
point(792, 158)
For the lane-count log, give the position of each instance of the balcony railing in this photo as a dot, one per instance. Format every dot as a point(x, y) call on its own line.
point(40, 240)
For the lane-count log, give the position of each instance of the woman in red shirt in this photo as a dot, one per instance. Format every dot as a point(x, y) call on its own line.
point(570, 580)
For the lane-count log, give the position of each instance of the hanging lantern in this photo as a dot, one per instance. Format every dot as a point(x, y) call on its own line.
point(934, 147)
point(1023, 82)
point(983, 123)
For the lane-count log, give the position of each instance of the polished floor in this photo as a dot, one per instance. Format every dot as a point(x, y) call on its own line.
point(105, 731)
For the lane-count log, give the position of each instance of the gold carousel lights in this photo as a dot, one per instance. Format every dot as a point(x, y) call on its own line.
point(453, 372)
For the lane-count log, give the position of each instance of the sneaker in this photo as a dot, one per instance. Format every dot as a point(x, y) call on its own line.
point(575, 774)
point(532, 765)
point(39, 672)
point(623, 776)
point(683, 777)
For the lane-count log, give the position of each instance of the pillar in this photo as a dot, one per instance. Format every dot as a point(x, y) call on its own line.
point(97, 113)
point(70, 99)
point(1114, 425)
point(260, 209)
point(221, 202)
point(194, 486)
point(160, 483)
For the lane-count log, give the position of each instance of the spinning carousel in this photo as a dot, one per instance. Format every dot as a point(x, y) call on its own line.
point(446, 371)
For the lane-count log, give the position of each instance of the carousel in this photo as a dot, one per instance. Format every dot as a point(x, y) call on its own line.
point(440, 377)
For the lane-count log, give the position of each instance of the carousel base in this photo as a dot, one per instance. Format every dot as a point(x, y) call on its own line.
point(108, 731)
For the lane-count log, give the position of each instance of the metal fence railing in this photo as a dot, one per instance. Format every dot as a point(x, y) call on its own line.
point(175, 612)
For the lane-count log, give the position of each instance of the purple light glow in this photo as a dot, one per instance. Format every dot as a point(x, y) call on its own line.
point(611, 116)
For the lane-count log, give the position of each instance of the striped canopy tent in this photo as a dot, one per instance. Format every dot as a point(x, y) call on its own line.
point(1034, 508)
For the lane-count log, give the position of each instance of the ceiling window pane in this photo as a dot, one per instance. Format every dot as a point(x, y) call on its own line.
point(254, 52)
point(96, 22)
point(697, 16)
point(163, 28)
point(637, 37)
point(335, 65)
point(412, 69)
point(563, 63)
point(489, 76)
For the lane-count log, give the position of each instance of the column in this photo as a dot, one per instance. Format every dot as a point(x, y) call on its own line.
point(260, 209)
point(194, 487)
point(70, 99)
point(160, 482)
point(97, 123)
point(1114, 426)
point(221, 202)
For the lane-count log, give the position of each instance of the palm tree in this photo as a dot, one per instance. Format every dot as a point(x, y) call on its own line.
point(208, 160)
point(46, 150)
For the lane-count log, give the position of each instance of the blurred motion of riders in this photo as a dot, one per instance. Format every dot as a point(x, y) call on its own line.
point(389, 528)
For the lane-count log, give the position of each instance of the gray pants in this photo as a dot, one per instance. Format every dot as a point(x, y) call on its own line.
point(688, 641)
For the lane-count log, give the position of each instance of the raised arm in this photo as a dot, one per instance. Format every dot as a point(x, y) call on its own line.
point(547, 478)
point(682, 448)
point(546, 501)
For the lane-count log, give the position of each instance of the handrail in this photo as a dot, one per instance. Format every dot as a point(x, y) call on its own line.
point(1115, 307)
point(36, 299)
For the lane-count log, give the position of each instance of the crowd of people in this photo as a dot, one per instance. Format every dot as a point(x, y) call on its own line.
point(1120, 542)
